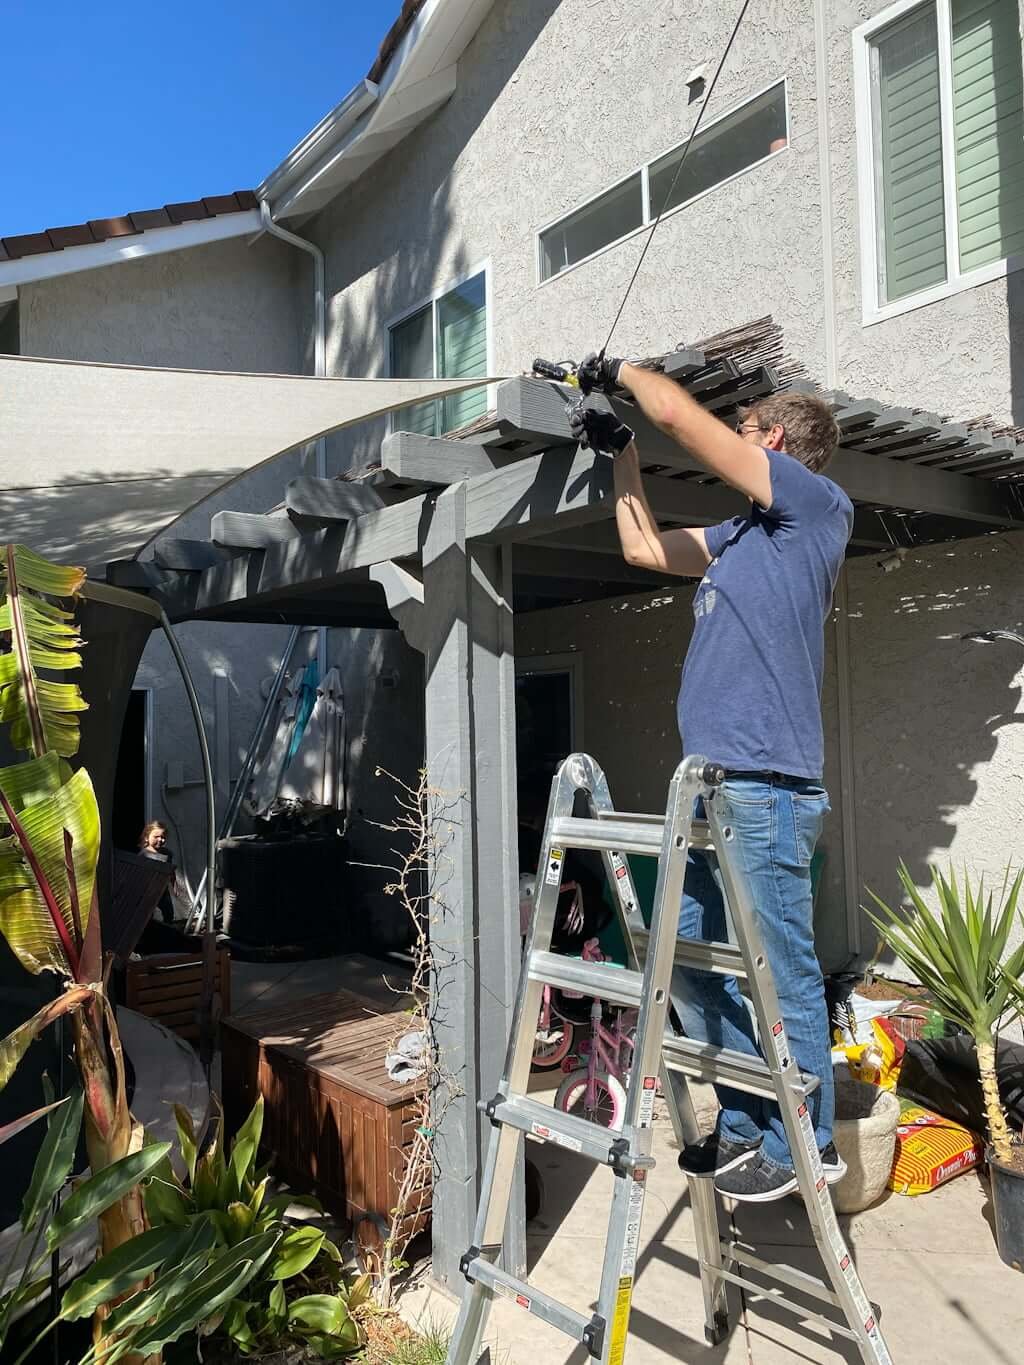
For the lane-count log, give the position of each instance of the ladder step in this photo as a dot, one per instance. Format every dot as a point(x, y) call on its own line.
point(721, 958)
point(591, 1140)
point(541, 1305)
point(724, 1066)
point(615, 985)
point(616, 832)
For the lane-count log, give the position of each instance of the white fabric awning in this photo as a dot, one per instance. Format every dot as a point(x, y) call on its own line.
point(96, 458)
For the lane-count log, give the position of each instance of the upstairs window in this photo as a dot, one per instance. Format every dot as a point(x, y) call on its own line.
point(941, 134)
point(444, 339)
point(723, 148)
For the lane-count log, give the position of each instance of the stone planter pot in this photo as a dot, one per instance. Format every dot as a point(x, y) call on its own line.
point(1007, 1187)
point(865, 1136)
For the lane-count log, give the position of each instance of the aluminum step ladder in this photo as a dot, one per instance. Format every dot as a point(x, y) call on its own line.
point(659, 1051)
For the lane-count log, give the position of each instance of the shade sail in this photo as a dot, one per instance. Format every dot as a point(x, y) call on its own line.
point(95, 458)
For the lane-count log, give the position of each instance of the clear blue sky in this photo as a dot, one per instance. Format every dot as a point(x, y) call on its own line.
point(108, 107)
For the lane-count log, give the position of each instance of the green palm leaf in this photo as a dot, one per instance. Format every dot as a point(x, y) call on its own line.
point(42, 713)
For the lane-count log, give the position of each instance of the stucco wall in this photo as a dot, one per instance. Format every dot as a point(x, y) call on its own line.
point(221, 306)
point(558, 101)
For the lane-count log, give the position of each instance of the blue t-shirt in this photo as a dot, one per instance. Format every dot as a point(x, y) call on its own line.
point(750, 696)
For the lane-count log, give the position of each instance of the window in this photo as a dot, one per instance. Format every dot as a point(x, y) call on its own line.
point(941, 122)
point(723, 148)
point(445, 339)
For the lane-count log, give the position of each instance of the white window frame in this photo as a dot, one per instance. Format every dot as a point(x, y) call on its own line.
point(644, 171)
point(868, 171)
point(431, 301)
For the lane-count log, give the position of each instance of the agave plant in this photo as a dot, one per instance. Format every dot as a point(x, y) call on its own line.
point(960, 957)
point(49, 846)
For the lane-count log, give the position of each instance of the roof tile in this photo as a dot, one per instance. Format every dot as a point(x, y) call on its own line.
point(247, 199)
point(102, 228)
point(187, 212)
point(77, 234)
point(27, 244)
point(220, 203)
point(150, 218)
point(394, 35)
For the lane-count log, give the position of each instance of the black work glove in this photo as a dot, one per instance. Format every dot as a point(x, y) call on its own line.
point(599, 374)
point(597, 430)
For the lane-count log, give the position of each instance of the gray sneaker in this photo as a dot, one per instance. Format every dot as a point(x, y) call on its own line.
point(714, 1155)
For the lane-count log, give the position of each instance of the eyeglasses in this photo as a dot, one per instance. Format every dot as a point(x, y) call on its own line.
point(743, 427)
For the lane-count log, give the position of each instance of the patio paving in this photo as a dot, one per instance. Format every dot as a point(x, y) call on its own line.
point(929, 1264)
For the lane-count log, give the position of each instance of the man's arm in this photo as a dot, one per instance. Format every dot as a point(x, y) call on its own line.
point(739, 463)
point(682, 552)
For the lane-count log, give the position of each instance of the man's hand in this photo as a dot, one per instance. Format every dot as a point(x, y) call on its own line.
point(599, 374)
point(596, 430)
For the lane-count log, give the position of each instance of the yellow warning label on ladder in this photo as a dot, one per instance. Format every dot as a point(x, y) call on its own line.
point(620, 1320)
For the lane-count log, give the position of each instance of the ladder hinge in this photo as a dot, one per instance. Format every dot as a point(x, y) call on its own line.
point(490, 1107)
point(471, 1255)
point(593, 1336)
point(619, 1158)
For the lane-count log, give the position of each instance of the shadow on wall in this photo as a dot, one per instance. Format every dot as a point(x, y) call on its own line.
point(415, 245)
point(98, 517)
point(939, 743)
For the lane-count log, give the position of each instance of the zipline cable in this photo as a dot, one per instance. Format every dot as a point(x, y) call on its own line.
point(675, 178)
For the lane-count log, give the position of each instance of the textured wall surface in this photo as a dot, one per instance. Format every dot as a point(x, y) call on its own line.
point(222, 306)
point(558, 101)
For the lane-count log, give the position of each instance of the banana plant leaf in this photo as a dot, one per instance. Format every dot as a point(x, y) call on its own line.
point(47, 864)
point(16, 1044)
point(42, 713)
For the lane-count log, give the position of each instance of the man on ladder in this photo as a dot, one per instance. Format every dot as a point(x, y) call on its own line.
point(750, 700)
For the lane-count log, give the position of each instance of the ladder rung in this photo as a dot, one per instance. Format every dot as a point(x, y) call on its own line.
point(616, 832)
point(600, 1144)
point(800, 1309)
point(707, 957)
point(724, 1066)
point(608, 836)
point(616, 985)
point(784, 1274)
point(541, 1305)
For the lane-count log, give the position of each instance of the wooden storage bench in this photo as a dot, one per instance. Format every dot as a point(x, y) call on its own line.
point(334, 1123)
point(168, 987)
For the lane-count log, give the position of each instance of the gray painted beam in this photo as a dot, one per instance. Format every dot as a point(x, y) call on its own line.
point(188, 556)
point(470, 760)
point(548, 561)
point(403, 592)
point(308, 499)
point(249, 531)
point(433, 462)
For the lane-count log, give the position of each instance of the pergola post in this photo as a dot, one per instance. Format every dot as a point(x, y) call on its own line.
point(470, 756)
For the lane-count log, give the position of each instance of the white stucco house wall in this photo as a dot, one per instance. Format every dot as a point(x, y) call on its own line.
point(495, 173)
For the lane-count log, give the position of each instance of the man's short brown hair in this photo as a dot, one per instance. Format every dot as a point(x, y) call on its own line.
point(811, 432)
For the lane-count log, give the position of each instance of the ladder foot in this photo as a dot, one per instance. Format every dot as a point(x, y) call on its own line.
point(714, 1336)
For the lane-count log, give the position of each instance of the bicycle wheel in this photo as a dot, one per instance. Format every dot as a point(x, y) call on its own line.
point(551, 1048)
point(609, 1096)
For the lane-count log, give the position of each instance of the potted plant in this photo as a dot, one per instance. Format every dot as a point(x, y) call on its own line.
point(960, 956)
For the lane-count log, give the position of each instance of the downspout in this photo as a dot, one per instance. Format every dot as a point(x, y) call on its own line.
point(844, 701)
point(319, 358)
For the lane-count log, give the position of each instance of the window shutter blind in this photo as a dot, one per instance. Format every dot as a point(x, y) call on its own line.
point(462, 349)
point(988, 96)
point(412, 357)
point(910, 139)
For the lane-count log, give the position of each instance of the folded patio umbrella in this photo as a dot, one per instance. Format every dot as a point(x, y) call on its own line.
point(94, 459)
point(316, 771)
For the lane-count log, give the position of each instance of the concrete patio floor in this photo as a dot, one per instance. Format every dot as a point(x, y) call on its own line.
point(929, 1264)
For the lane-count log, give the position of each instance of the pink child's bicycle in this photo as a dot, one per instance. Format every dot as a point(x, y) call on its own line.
point(596, 1091)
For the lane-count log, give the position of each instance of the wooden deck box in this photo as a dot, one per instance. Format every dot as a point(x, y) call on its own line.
point(334, 1122)
point(168, 987)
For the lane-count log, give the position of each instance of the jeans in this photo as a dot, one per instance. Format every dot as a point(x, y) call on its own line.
point(776, 827)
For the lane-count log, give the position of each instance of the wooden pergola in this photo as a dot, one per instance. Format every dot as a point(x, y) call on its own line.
point(447, 539)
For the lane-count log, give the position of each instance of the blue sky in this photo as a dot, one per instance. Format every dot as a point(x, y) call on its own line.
point(109, 107)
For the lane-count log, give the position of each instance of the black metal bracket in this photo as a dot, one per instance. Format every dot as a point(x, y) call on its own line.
point(619, 1157)
point(471, 1255)
point(490, 1108)
point(593, 1336)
